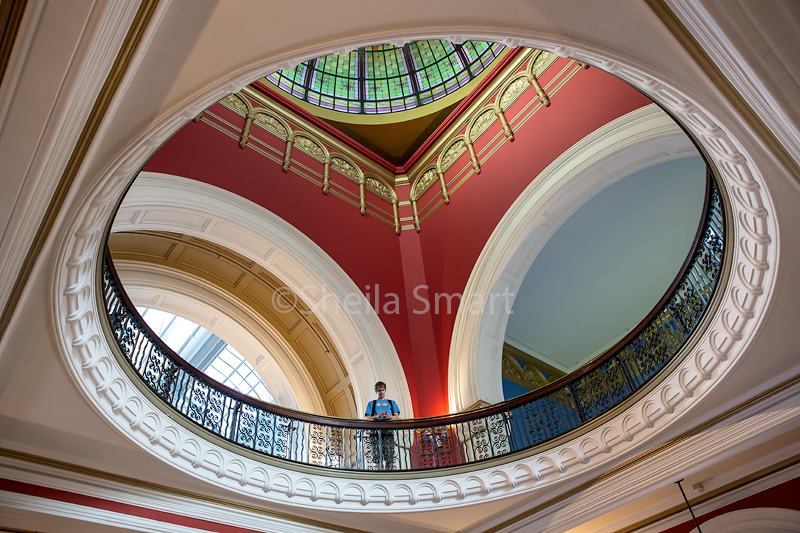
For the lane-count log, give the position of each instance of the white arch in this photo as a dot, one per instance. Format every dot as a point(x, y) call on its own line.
point(756, 520)
point(172, 203)
point(640, 139)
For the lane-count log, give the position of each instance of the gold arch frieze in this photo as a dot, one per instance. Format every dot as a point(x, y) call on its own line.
point(519, 79)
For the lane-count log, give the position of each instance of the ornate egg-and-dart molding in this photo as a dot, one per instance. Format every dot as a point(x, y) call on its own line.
point(98, 375)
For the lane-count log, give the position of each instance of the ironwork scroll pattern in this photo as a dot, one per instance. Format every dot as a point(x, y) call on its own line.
point(549, 413)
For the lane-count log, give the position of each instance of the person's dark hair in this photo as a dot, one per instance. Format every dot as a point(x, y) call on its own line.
point(379, 384)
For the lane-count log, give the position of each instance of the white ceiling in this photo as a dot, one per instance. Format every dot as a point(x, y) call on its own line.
point(197, 46)
point(608, 264)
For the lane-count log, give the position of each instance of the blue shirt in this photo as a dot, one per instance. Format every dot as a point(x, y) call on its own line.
point(382, 405)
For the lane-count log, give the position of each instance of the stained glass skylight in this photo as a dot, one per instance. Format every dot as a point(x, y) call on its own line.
point(386, 78)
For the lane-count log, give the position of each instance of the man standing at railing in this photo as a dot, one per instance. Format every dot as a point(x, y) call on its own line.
point(382, 441)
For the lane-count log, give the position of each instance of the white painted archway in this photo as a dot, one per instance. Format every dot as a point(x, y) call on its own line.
point(253, 337)
point(640, 139)
point(171, 203)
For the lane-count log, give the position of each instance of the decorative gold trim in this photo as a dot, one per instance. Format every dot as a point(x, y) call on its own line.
point(423, 183)
point(543, 59)
point(513, 351)
point(311, 147)
point(527, 376)
point(180, 493)
point(449, 156)
point(480, 404)
point(256, 144)
point(531, 108)
point(533, 80)
point(505, 89)
point(113, 80)
point(707, 65)
point(507, 131)
point(332, 144)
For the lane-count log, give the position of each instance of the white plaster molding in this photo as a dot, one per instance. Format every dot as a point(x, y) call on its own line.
point(781, 411)
point(746, 295)
point(18, 507)
point(756, 520)
point(715, 503)
point(206, 305)
point(144, 498)
point(81, 82)
point(724, 47)
point(171, 203)
point(740, 433)
point(640, 139)
point(15, 506)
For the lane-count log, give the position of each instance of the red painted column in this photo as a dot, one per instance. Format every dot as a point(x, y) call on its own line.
point(431, 394)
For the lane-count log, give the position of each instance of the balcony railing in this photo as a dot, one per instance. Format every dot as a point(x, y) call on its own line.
point(440, 442)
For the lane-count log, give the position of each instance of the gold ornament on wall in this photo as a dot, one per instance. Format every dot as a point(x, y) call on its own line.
point(272, 125)
point(509, 87)
point(310, 147)
point(452, 154)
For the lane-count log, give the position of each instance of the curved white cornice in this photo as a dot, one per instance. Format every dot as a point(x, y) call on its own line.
point(640, 139)
point(171, 203)
point(755, 520)
point(745, 296)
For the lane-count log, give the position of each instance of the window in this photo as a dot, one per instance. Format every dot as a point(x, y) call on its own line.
point(206, 352)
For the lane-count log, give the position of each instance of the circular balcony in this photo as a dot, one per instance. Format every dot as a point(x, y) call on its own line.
point(510, 427)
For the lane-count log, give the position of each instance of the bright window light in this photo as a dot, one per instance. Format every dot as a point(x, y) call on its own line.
point(186, 338)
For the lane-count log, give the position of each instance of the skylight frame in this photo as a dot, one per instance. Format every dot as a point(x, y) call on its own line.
point(386, 79)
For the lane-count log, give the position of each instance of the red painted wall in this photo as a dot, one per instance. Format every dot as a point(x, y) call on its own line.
point(442, 256)
point(366, 249)
point(93, 502)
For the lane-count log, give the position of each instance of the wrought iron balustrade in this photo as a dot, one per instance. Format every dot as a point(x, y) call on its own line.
point(420, 444)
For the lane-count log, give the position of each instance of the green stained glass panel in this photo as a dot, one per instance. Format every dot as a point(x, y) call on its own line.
point(385, 78)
